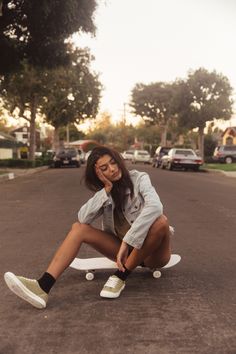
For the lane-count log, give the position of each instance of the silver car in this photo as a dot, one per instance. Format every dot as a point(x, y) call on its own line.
point(128, 154)
point(181, 159)
point(141, 156)
point(225, 154)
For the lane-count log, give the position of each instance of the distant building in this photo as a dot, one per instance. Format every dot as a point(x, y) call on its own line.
point(9, 147)
point(229, 136)
point(22, 135)
point(85, 145)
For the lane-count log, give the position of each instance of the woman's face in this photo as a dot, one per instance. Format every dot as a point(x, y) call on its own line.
point(109, 168)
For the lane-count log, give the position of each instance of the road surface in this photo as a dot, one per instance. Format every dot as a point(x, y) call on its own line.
point(191, 309)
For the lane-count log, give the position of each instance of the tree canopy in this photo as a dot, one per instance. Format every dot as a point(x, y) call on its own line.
point(37, 30)
point(203, 97)
point(64, 94)
point(153, 102)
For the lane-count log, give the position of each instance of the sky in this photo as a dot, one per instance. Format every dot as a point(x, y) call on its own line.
point(159, 40)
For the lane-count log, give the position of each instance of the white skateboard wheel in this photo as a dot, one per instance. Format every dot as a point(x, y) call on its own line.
point(156, 274)
point(89, 276)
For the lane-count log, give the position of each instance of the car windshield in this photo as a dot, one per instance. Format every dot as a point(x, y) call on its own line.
point(184, 152)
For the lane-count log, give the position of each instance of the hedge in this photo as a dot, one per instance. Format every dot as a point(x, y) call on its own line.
point(24, 163)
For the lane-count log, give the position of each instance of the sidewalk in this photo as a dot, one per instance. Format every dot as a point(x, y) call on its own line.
point(231, 174)
point(12, 173)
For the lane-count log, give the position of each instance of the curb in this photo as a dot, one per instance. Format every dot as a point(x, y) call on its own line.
point(12, 174)
point(231, 174)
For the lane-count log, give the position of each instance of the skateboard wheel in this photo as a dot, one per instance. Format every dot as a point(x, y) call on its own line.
point(156, 274)
point(89, 276)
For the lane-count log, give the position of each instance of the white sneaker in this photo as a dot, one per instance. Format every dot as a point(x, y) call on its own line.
point(27, 289)
point(113, 287)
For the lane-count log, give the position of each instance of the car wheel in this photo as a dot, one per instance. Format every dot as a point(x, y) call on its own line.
point(162, 166)
point(228, 159)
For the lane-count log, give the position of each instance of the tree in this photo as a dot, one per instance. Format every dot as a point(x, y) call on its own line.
point(23, 93)
point(203, 97)
point(73, 93)
point(64, 95)
point(153, 103)
point(33, 36)
point(37, 30)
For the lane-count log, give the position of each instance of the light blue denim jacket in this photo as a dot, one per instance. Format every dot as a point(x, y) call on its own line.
point(141, 211)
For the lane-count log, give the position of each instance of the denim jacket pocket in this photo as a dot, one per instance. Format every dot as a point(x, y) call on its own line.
point(135, 207)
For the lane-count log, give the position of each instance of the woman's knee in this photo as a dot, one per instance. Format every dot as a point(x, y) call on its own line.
point(160, 225)
point(79, 228)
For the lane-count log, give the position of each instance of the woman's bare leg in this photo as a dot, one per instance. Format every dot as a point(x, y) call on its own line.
point(156, 250)
point(106, 244)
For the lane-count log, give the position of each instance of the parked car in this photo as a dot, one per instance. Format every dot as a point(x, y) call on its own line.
point(160, 151)
point(141, 156)
point(82, 155)
point(181, 159)
point(128, 154)
point(66, 157)
point(225, 153)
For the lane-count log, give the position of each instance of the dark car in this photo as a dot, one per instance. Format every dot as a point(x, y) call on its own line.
point(66, 157)
point(159, 153)
point(225, 153)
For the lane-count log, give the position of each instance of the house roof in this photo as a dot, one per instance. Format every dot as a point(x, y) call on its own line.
point(86, 145)
point(230, 131)
point(22, 129)
point(5, 136)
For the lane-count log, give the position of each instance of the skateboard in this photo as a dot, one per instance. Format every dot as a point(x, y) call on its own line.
point(89, 265)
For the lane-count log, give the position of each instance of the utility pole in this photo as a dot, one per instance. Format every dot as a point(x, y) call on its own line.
point(67, 133)
point(124, 125)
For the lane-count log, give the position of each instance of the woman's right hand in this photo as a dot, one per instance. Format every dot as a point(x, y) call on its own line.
point(107, 184)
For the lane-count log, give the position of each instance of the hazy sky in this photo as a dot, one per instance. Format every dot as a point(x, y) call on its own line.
point(159, 40)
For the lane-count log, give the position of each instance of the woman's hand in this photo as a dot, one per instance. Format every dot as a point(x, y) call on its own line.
point(122, 255)
point(107, 184)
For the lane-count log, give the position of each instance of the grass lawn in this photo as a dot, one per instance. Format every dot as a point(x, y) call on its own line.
point(220, 166)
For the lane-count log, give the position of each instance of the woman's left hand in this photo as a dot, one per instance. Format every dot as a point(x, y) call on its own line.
point(122, 255)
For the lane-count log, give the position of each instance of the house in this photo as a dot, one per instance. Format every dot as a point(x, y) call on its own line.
point(229, 136)
point(9, 147)
point(22, 135)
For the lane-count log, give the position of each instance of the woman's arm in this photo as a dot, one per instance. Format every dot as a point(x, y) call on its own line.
point(93, 208)
point(152, 209)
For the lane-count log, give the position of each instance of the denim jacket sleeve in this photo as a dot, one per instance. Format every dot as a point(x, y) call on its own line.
point(151, 210)
point(93, 208)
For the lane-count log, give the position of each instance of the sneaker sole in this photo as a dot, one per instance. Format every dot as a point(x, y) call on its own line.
point(15, 285)
point(110, 295)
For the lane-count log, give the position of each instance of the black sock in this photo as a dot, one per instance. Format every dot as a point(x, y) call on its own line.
point(46, 282)
point(122, 275)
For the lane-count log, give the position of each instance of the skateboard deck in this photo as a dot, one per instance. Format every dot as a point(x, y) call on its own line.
point(89, 265)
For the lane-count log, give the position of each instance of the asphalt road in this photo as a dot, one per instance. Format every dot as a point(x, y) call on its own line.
point(191, 309)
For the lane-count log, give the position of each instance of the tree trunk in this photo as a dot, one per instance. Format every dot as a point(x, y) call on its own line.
point(201, 141)
point(56, 142)
point(32, 128)
point(164, 135)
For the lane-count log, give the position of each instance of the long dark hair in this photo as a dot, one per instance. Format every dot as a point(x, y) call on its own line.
point(118, 191)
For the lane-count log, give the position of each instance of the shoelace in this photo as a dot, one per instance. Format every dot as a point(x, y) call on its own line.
point(112, 282)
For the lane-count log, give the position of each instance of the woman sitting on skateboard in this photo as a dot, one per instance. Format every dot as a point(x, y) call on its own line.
point(135, 231)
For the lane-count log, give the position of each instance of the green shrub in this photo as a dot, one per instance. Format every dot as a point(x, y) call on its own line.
point(24, 163)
